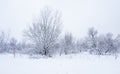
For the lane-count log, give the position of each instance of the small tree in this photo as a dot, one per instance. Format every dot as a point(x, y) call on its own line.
point(13, 46)
point(107, 44)
point(117, 43)
point(3, 42)
point(82, 45)
point(45, 32)
point(111, 48)
point(102, 44)
point(67, 43)
point(92, 39)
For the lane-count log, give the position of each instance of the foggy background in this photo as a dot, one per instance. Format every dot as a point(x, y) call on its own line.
point(77, 15)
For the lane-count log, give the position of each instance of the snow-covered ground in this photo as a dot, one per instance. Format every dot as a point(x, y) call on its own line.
point(70, 64)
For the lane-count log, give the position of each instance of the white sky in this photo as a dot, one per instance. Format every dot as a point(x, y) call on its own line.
point(78, 15)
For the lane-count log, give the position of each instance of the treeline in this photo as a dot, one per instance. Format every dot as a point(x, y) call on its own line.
point(43, 38)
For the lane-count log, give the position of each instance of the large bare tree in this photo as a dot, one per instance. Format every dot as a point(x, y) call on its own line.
point(45, 31)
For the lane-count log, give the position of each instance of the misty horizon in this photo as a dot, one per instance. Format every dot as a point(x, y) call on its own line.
point(77, 15)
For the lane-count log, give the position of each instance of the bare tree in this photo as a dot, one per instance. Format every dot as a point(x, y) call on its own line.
point(117, 43)
point(106, 44)
point(67, 44)
point(13, 46)
point(3, 42)
point(110, 41)
point(92, 39)
point(82, 45)
point(45, 31)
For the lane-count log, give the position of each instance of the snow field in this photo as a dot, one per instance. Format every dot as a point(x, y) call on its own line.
point(69, 64)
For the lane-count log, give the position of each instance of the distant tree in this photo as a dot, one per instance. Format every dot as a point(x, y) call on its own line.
point(117, 43)
point(92, 39)
point(22, 47)
point(82, 45)
point(117, 46)
point(13, 46)
point(67, 43)
point(102, 44)
point(45, 32)
point(111, 48)
point(3, 42)
point(106, 44)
